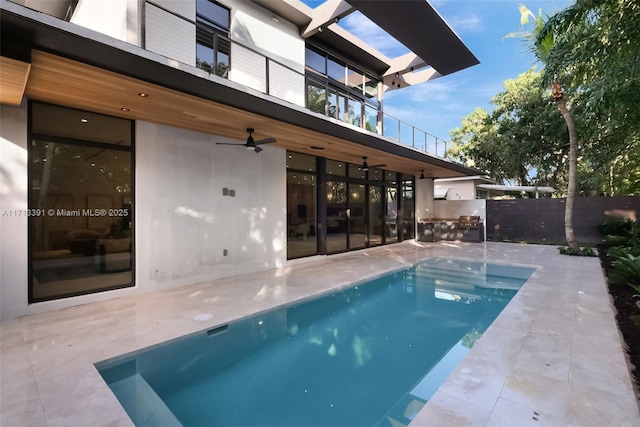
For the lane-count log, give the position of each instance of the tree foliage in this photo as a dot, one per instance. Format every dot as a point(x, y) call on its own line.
point(597, 47)
point(524, 139)
point(593, 48)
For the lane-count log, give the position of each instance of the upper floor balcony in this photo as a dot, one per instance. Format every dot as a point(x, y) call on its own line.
point(355, 102)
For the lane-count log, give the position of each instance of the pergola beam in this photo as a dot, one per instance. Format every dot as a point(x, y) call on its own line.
point(325, 14)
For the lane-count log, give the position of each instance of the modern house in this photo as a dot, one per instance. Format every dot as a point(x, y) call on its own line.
point(153, 144)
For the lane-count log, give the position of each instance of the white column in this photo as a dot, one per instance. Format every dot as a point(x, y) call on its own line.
point(424, 199)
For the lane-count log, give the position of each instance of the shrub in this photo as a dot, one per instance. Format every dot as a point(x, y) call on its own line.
point(586, 251)
point(626, 269)
point(622, 251)
point(616, 227)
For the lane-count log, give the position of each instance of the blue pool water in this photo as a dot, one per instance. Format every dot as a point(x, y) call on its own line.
point(369, 356)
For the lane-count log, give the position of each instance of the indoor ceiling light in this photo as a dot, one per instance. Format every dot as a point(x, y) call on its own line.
point(143, 95)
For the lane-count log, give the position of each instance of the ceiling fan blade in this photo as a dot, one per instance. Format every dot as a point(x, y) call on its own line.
point(377, 166)
point(229, 143)
point(258, 149)
point(265, 141)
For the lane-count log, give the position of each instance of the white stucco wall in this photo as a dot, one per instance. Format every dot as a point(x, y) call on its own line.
point(183, 221)
point(115, 18)
point(13, 199)
point(455, 208)
point(458, 190)
point(424, 199)
point(254, 27)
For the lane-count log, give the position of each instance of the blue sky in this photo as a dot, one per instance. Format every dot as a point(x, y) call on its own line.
point(438, 106)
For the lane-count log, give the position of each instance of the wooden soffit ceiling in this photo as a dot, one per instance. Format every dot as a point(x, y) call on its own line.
point(13, 80)
point(65, 82)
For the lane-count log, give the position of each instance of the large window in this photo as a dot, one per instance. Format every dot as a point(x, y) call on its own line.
point(391, 214)
point(334, 206)
point(408, 207)
point(336, 214)
point(340, 90)
point(80, 202)
point(302, 237)
point(213, 47)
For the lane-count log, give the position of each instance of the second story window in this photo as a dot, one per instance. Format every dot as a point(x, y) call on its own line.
point(339, 90)
point(213, 47)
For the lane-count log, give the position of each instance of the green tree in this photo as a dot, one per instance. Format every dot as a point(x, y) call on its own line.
point(599, 42)
point(522, 141)
point(541, 45)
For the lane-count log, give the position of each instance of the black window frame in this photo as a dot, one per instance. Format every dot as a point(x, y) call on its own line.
point(220, 41)
point(341, 89)
point(31, 136)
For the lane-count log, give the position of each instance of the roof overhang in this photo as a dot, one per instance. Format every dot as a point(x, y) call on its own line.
point(413, 23)
point(76, 67)
point(526, 188)
point(418, 26)
point(476, 178)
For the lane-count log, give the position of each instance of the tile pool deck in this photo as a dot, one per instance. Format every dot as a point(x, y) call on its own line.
point(553, 357)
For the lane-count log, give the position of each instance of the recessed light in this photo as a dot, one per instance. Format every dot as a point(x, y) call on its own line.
point(143, 95)
point(83, 120)
point(125, 109)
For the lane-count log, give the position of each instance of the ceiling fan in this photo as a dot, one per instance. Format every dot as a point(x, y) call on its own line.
point(251, 144)
point(365, 167)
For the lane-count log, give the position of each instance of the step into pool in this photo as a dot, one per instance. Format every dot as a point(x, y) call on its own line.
point(371, 355)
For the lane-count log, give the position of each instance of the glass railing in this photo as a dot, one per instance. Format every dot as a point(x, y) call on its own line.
point(408, 134)
point(214, 54)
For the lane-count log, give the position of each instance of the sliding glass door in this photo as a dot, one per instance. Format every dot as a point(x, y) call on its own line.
point(357, 219)
point(336, 216)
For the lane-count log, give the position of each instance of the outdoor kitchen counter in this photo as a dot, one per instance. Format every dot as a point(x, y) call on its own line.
point(436, 229)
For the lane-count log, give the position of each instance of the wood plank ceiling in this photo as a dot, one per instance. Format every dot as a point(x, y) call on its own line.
point(13, 79)
point(69, 83)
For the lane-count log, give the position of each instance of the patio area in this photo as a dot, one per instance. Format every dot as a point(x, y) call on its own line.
point(553, 357)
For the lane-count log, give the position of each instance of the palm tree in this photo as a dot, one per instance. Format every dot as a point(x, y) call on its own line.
point(541, 42)
point(558, 97)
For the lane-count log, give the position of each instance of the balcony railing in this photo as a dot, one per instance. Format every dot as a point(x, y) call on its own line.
point(405, 133)
point(275, 78)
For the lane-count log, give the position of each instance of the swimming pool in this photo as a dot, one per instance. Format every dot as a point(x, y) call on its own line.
point(371, 355)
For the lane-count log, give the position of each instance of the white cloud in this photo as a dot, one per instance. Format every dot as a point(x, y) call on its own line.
point(466, 23)
point(366, 30)
point(438, 90)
